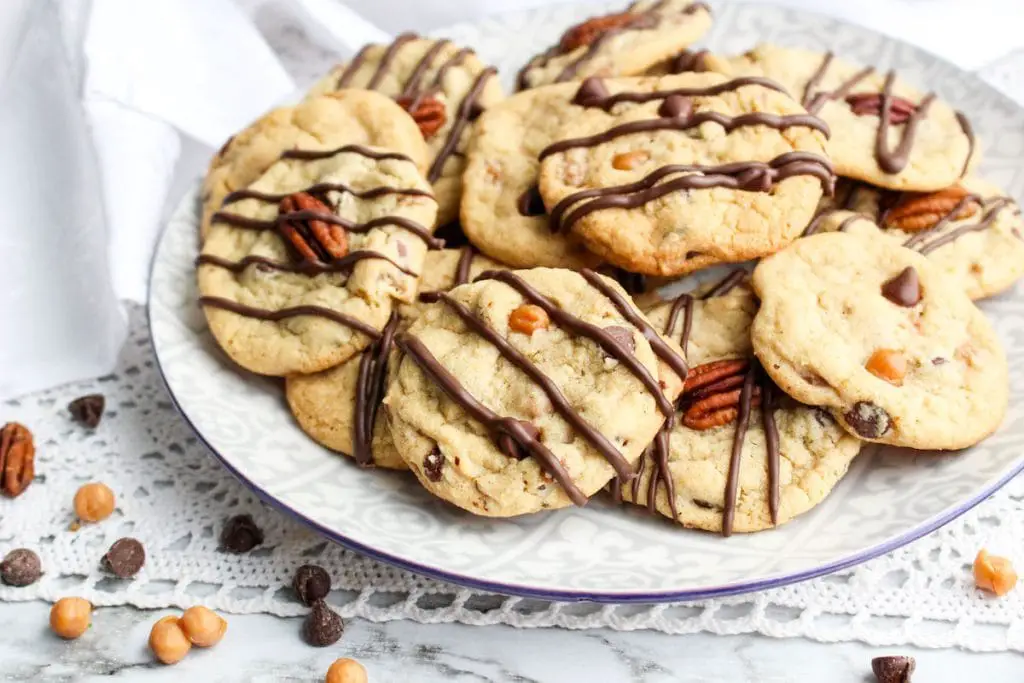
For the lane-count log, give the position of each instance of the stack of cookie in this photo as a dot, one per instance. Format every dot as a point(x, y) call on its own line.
point(515, 374)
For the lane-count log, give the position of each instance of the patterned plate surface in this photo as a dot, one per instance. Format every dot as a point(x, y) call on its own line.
point(599, 552)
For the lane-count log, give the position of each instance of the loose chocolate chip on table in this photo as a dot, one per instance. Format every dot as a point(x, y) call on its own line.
point(21, 567)
point(88, 410)
point(125, 558)
point(622, 336)
point(240, 534)
point(311, 583)
point(323, 626)
point(868, 420)
point(904, 289)
point(893, 669)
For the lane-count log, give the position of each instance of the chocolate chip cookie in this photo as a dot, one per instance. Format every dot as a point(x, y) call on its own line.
point(881, 337)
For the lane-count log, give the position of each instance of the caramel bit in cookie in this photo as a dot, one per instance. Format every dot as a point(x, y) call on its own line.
point(240, 534)
point(888, 364)
point(528, 318)
point(20, 567)
point(868, 420)
point(88, 410)
point(433, 464)
point(893, 669)
point(587, 32)
point(125, 558)
point(994, 574)
point(323, 626)
point(17, 459)
point(904, 289)
point(591, 93)
point(870, 104)
point(627, 161)
point(315, 241)
point(919, 212)
point(676, 107)
point(428, 113)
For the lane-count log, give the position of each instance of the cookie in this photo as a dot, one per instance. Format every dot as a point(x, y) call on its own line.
point(319, 123)
point(444, 88)
point(527, 390)
point(620, 44)
point(881, 337)
point(338, 408)
point(922, 144)
point(790, 457)
point(301, 270)
point(675, 173)
point(972, 231)
point(502, 211)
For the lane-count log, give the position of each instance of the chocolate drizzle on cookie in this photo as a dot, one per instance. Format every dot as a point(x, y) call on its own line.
point(292, 312)
point(647, 19)
point(373, 367)
point(462, 269)
point(530, 203)
point(991, 209)
point(608, 101)
point(308, 268)
point(320, 190)
point(751, 176)
point(463, 115)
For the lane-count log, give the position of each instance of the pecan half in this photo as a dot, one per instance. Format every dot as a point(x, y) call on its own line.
point(588, 31)
point(316, 241)
point(428, 113)
point(870, 104)
point(916, 212)
point(712, 391)
point(17, 459)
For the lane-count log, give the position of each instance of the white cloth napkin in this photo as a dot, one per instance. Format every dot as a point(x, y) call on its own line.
point(99, 99)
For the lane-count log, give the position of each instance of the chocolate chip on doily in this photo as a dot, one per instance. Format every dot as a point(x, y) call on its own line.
point(323, 626)
point(240, 534)
point(311, 583)
point(21, 567)
point(893, 669)
point(88, 410)
point(125, 558)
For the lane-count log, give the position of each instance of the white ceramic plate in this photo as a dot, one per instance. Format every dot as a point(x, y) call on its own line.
point(599, 552)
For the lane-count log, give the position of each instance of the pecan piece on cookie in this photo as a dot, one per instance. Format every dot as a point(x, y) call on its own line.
point(17, 459)
point(870, 104)
point(428, 113)
point(712, 393)
point(917, 212)
point(587, 32)
point(315, 240)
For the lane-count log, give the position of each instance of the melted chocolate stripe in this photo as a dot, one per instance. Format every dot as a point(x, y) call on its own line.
point(581, 328)
point(314, 154)
point(284, 313)
point(726, 284)
point(421, 67)
point(751, 176)
point(321, 189)
point(850, 220)
point(389, 56)
point(461, 119)
point(341, 265)
point(729, 123)
point(965, 126)
point(819, 99)
point(944, 221)
point(346, 75)
point(742, 421)
point(497, 426)
point(895, 160)
point(453, 61)
point(771, 435)
point(992, 212)
point(465, 263)
point(683, 302)
point(815, 80)
point(625, 307)
point(246, 223)
point(558, 400)
point(661, 473)
point(610, 101)
point(373, 365)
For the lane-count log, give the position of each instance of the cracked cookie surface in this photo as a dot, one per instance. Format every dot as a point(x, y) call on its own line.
point(881, 337)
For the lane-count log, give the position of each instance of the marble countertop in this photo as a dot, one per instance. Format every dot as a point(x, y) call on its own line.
point(261, 649)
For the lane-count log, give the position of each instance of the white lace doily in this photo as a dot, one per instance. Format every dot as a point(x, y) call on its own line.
point(174, 497)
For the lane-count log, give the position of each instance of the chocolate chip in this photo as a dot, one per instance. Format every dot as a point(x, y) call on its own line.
point(633, 283)
point(868, 420)
point(939, 360)
point(591, 92)
point(823, 417)
point(676, 107)
point(433, 464)
point(323, 626)
point(452, 235)
point(530, 202)
point(475, 110)
point(703, 504)
point(21, 567)
point(311, 583)
point(689, 61)
point(88, 410)
point(125, 558)
point(893, 669)
point(240, 534)
point(622, 336)
point(510, 447)
point(400, 246)
point(904, 289)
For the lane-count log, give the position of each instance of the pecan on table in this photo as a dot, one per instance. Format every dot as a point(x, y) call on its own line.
point(17, 459)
